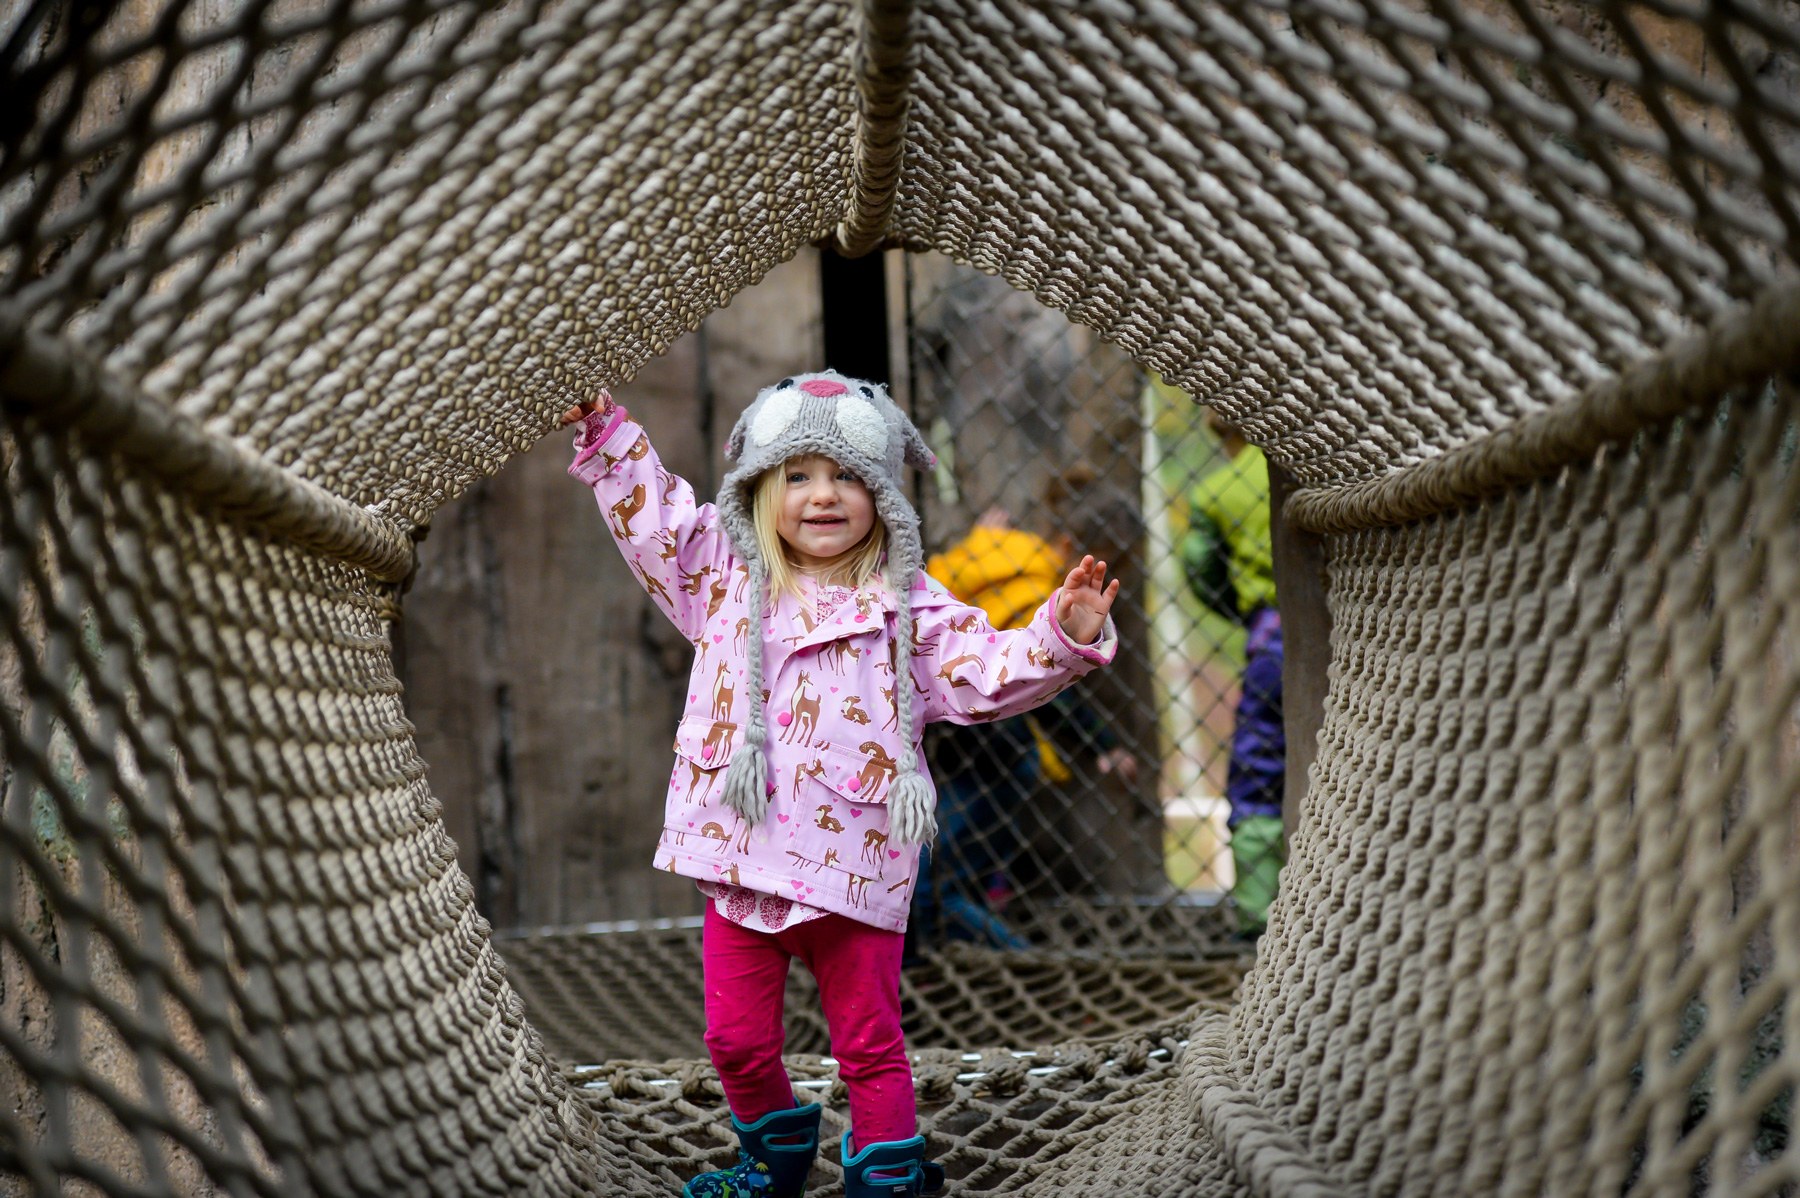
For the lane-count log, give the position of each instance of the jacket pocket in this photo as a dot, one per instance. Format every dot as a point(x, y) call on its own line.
point(703, 748)
point(859, 776)
point(843, 816)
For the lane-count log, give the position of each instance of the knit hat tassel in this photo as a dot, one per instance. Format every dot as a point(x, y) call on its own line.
point(911, 819)
point(747, 778)
point(912, 815)
point(747, 784)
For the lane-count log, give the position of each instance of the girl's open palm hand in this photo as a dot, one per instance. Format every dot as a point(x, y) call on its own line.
point(1085, 600)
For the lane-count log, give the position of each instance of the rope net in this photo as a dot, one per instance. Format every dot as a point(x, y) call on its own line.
point(1507, 286)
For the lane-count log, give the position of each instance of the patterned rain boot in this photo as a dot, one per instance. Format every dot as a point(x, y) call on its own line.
point(775, 1155)
point(896, 1169)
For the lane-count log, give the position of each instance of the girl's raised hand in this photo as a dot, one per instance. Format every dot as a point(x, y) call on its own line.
point(586, 408)
point(1084, 601)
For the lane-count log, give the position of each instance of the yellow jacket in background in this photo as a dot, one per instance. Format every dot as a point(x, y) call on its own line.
point(1008, 574)
point(1005, 572)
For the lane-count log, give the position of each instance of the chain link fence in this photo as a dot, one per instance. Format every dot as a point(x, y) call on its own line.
point(1107, 807)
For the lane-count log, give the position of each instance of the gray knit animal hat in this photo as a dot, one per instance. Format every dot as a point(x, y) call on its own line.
point(855, 424)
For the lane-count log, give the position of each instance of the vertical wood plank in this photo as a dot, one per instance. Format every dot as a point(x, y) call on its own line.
point(1306, 642)
point(597, 677)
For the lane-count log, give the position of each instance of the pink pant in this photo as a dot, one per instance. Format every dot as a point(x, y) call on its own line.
point(858, 970)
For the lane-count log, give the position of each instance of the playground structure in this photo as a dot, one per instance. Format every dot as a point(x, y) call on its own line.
point(1509, 290)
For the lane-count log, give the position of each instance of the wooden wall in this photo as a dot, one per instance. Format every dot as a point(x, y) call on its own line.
point(544, 685)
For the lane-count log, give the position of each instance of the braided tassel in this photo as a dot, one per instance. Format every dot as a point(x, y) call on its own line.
point(747, 783)
point(912, 812)
point(912, 818)
point(747, 778)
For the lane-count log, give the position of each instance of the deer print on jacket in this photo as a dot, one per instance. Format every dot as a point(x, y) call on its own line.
point(856, 889)
point(691, 583)
point(947, 672)
point(815, 770)
point(801, 860)
point(696, 771)
point(724, 690)
point(878, 772)
point(806, 715)
point(716, 748)
point(625, 509)
point(828, 692)
point(652, 584)
point(640, 448)
point(833, 653)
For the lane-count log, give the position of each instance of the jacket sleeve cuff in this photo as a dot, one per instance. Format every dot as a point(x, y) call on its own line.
point(1101, 652)
point(594, 433)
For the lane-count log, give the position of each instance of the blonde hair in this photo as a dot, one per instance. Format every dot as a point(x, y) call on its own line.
point(854, 567)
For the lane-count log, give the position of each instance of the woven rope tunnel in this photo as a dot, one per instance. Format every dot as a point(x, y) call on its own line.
point(1508, 287)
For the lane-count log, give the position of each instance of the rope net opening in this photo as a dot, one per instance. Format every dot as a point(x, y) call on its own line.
point(1507, 287)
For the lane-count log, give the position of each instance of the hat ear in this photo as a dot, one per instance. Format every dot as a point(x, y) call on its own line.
point(914, 451)
point(734, 444)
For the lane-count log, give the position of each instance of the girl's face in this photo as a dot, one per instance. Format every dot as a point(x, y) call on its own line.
point(824, 512)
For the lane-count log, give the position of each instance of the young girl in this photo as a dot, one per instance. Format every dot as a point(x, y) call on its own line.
point(797, 801)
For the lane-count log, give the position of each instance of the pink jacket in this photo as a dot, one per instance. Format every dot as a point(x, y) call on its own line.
point(832, 726)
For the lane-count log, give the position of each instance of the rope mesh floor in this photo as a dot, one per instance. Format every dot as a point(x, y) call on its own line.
point(1090, 1040)
point(1074, 1115)
point(1509, 287)
point(596, 997)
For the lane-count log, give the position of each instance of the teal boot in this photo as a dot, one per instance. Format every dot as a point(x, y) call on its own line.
point(775, 1154)
point(896, 1169)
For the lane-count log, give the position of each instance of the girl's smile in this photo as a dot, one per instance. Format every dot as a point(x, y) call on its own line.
point(825, 511)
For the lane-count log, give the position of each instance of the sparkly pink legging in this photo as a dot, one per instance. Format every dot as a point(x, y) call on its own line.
point(858, 970)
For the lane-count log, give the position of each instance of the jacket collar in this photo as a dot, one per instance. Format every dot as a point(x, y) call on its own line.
point(867, 610)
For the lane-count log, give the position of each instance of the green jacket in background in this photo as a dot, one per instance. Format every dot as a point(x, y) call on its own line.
point(1229, 526)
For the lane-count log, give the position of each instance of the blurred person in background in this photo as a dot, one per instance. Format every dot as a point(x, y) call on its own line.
point(1228, 557)
point(985, 772)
